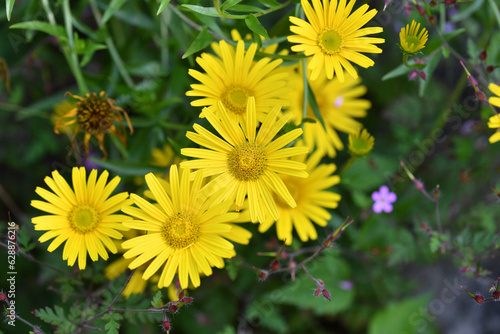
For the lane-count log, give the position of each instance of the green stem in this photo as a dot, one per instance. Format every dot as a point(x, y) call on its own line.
point(69, 54)
point(111, 46)
point(405, 60)
point(348, 164)
point(273, 9)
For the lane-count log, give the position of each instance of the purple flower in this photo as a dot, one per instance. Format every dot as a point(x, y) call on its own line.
point(346, 285)
point(383, 200)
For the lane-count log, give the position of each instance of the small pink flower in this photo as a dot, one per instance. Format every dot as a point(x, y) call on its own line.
point(383, 200)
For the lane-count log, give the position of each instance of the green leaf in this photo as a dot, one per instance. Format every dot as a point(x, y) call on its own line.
point(207, 11)
point(401, 317)
point(157, 301)
point(112, 8)
point(232, 268)
point(431, 66)
point(56, 317)
point(228, 4)
point(254, 25)
point(201, 41)
point(270, 3)
point(163, 4)
point(398, 71)
point(314, 105)
point(9, 5)
point(127, 168)
point(269, 317)
point(54, 30)
point(247, 8)
point(437, 42)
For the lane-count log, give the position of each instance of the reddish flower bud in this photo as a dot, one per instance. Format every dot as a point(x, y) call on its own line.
point(450, 2)
point(424, 227)
point(317, 292)
point(3, 296)
point(436, 191)
point(173, 308)
point(432, 20)
point(422, 75)
point(275, 265)
point(413, 75)
point(480, 95)
point(421, 11)
point(326, 294)
point(490, 68)
point(166, 326)
point(483, 55)
point(479, 299)
point(496, 295)
point(433, 3)
point(181, 295)
point(464, 269)
point(261, 273)
point(187, 300)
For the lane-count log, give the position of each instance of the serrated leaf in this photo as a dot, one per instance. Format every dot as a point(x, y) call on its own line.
point(54, 317)
point(314, 106)
point(163, 4)
point(54, 30)
point(114, 5)
point(232, 268)
point(112, 326)
point(207, 11)
point(228, 4)
point(201, 41)
point(253, 24)
point(157, 301)
point(9, 5)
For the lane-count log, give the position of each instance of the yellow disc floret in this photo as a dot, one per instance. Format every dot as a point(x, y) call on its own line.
point(247, 162)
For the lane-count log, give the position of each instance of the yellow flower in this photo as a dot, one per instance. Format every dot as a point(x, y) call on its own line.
point(247, 163)
point(185, 233)
point(411, 41)
point(82, 216)
point(94, 115)
point(312, 197)
point(360, 143)
point(234, 76)
point(334, 37)
point(60, 110)
point(339, 104)
point(494, 121)
point(164, 157)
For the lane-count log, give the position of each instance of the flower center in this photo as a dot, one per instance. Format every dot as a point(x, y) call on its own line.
point(412, 40)
point(181, 231)
point(234, 99)
point(247, 162)
point(330, 41)
point(94, 113)
point(84, 218)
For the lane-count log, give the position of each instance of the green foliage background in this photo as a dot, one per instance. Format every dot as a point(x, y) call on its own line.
point(141, 59)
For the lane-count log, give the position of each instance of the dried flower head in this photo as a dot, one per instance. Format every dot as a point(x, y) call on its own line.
point(95, 115)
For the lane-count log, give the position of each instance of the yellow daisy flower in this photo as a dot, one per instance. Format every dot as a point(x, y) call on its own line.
point(339, 104)
point(247, 163)
point(334, 37)
point(411, 41)
point(234, 76)
point(494, 121)
point(312, 197)
point(360, 143)
point(94, 115)
point(184, 231)
point(82, 216)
